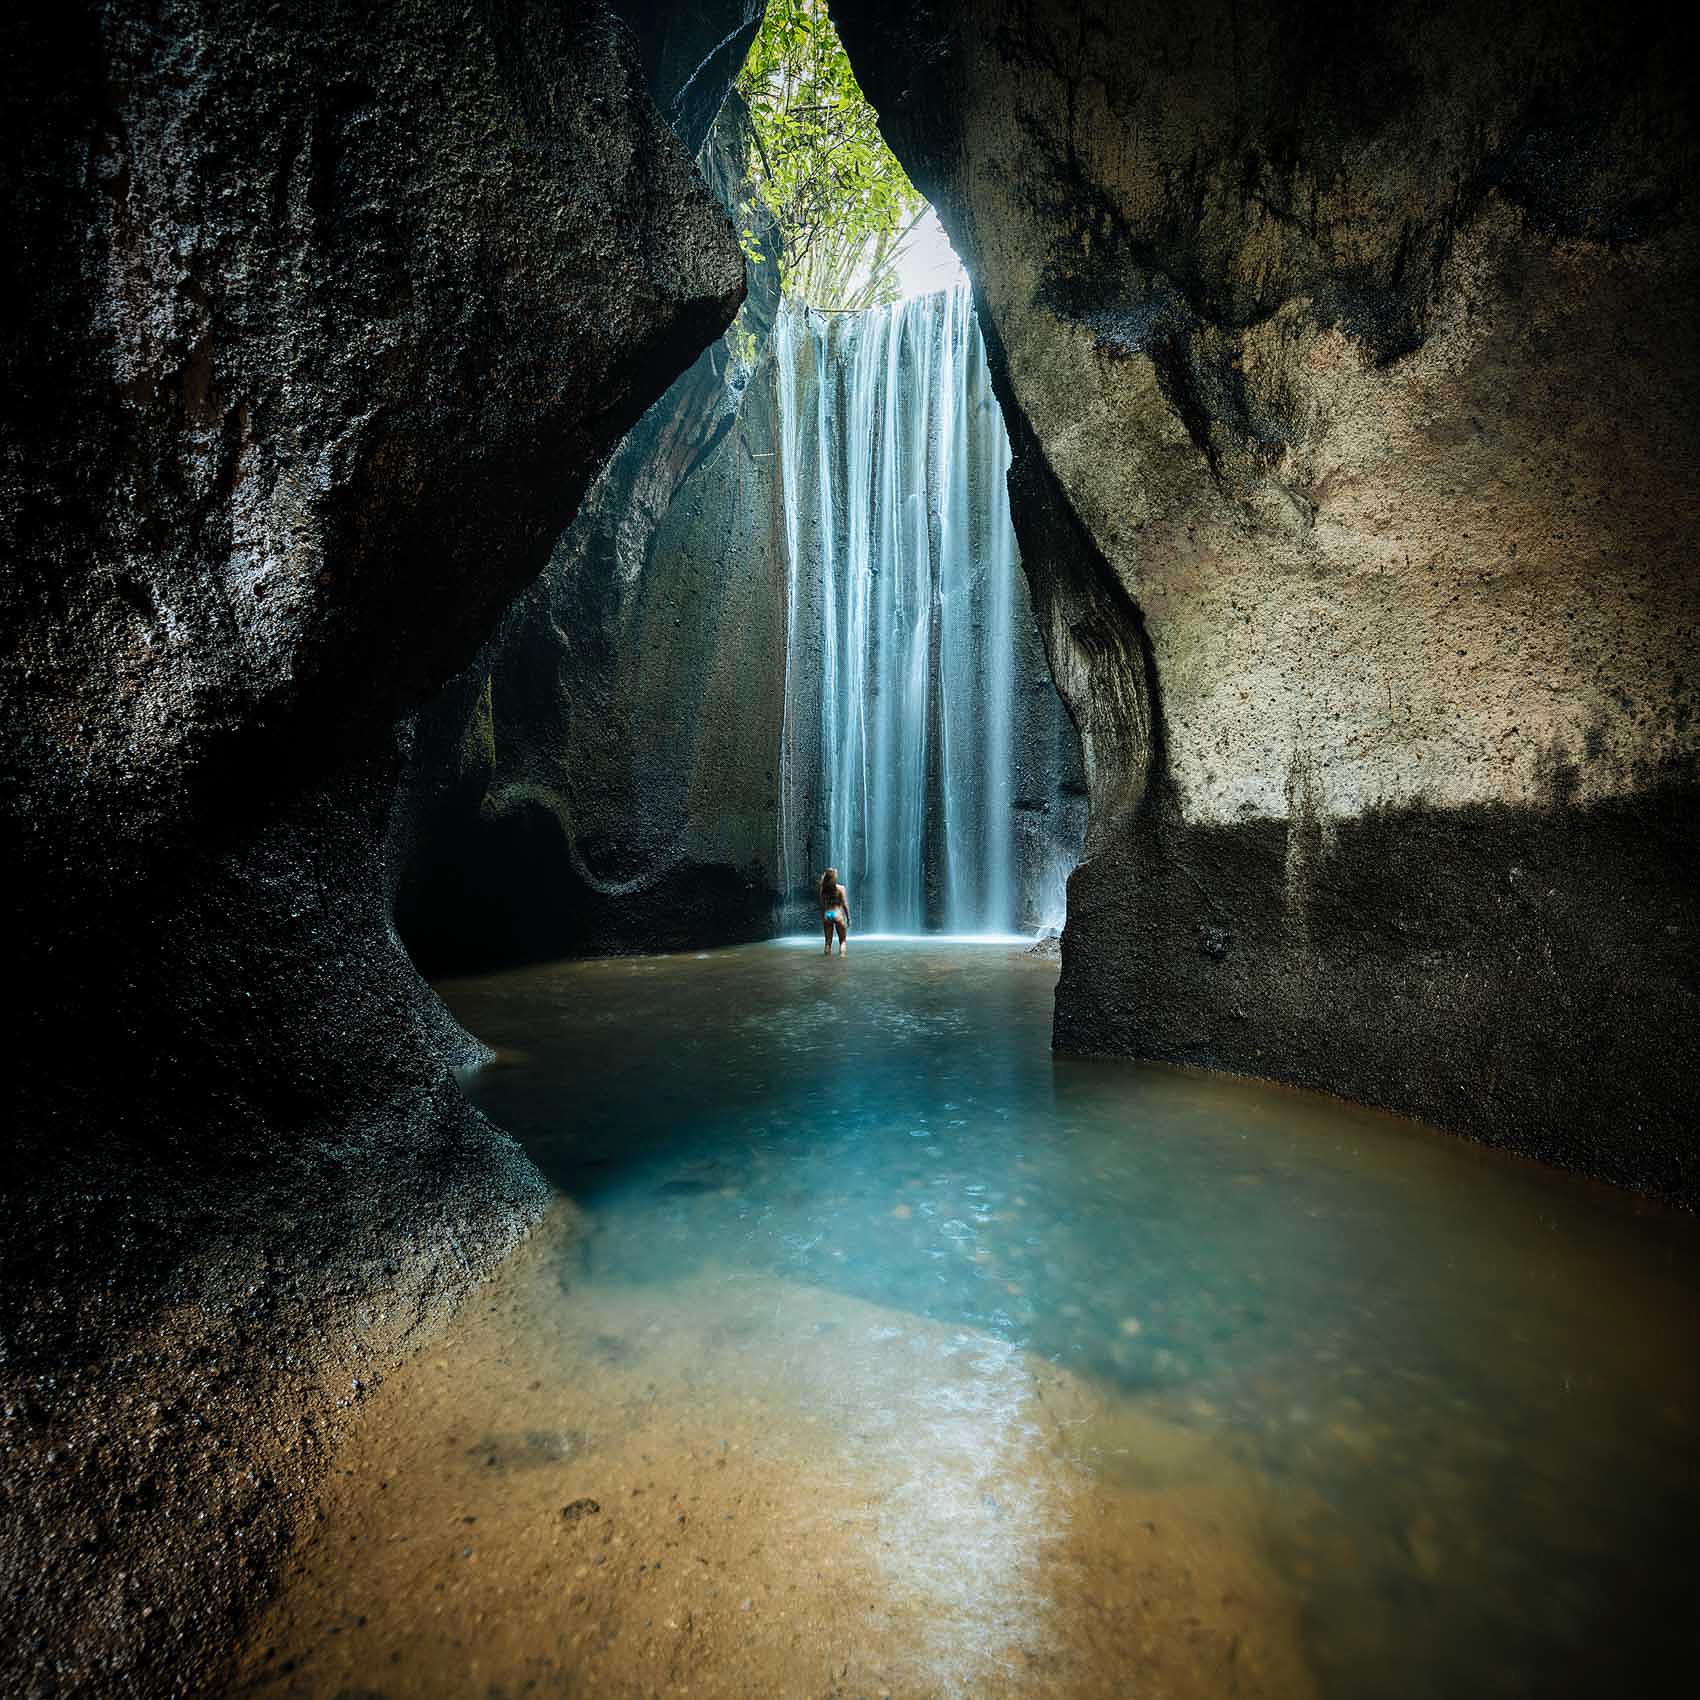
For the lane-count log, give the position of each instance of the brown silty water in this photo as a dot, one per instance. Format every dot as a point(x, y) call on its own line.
point(873, 1350)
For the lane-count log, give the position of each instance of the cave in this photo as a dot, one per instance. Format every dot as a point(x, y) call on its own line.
point(1197, 531)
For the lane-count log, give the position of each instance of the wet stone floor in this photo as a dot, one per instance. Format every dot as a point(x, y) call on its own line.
point(872, 1350)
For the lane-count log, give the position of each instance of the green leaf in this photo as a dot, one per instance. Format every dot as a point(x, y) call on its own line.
point(841, 200)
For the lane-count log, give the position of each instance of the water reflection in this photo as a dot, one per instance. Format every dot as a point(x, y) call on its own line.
point(1071, 1369)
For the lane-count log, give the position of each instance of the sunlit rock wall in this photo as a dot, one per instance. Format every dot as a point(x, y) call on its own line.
point(1350, 358)
point(320, 321)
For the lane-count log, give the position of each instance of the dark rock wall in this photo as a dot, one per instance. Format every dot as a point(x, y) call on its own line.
point(605, 776)
point(321, 321)
point(692, 50)
point(1350, 361)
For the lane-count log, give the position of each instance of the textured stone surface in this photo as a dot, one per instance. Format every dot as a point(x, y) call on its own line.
point(605, 776)
point(692, 50)
point(322, 321)
point(1351, 365)
point(625, 797)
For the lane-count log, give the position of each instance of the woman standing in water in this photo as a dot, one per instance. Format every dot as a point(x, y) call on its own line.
point(834, 911)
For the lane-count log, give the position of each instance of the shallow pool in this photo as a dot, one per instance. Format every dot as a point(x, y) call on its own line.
point(879, 1351)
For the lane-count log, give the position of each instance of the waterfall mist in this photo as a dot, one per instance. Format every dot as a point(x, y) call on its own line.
point(897, 762)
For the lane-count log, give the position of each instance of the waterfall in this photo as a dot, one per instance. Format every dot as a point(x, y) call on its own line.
point(896, 762)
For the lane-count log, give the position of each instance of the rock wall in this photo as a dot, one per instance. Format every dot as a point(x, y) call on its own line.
point(605, 776)
point(1350, 360)
point(323, 320)
point(692, 52)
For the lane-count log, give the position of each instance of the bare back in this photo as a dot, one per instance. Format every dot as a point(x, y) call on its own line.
point(834, 913)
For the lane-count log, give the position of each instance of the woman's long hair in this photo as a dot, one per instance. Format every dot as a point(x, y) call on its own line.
point(829, 890)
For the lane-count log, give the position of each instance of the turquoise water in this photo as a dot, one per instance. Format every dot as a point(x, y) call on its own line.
point(1466, 1385)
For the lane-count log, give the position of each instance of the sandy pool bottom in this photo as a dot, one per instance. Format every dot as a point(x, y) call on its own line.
point(753, 1486)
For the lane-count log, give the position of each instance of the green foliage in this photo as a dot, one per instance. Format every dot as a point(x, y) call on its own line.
point(841, 201)
point(741, 340)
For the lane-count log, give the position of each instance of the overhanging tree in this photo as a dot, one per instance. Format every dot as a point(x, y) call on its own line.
point(841, 201)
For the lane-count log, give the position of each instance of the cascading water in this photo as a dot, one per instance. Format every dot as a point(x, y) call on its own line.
point(896, 761)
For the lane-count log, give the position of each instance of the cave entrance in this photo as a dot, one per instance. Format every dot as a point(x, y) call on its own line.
point(788, 629)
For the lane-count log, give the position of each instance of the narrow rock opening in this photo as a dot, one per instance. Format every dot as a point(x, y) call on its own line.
point(788, 628)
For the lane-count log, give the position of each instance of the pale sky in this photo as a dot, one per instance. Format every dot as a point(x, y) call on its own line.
point(927, 261)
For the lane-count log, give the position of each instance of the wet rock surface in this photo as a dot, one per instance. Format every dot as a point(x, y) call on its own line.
point(692, 50)
point(1350, 368)
point(326, 322)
